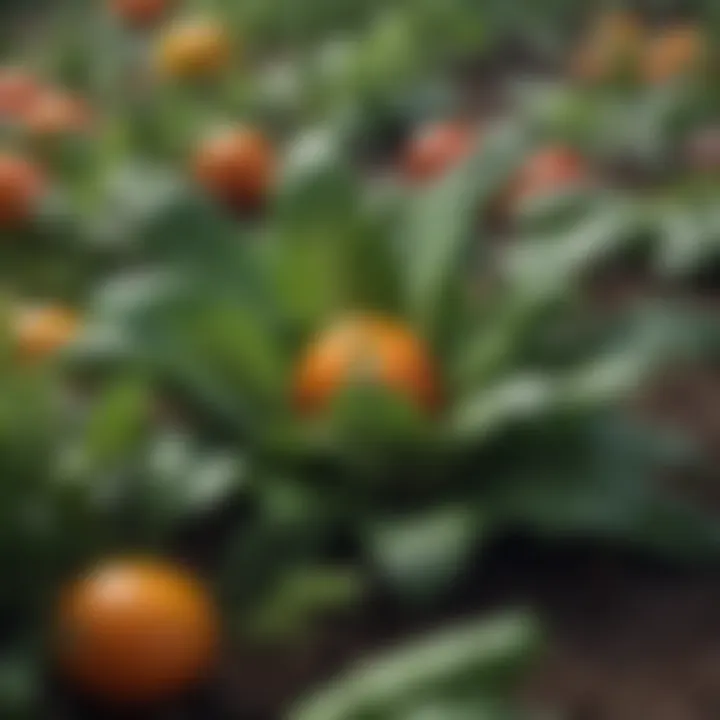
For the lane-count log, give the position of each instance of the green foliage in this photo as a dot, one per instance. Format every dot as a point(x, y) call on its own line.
point(469, 668)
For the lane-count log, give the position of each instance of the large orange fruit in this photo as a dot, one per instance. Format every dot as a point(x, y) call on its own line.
point(193, 49)
point(42, 330)
point(140, 13)
point(436, 148)
point(136, 631)
point(552, 169)
point(19, 90)
point(57, 114)
point(677, 52)
point(611, 47)
point(236, 166)
point(365, 347)
point(22, 185)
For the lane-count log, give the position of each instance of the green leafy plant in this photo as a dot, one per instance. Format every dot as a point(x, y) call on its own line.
point(532, 381)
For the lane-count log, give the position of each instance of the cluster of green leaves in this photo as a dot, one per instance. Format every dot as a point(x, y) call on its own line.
point(532, 378)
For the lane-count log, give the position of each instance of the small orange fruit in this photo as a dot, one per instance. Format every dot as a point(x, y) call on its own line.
point(42, 330)
point(19, 90)
point(193, 49)
point(436, 148)
point(549, 170)
point(140, 13)
point(136, 631)
point(236, 166)
point(57, 114)
point(22, 185)
point(675, 53)
point(612, 46)
point(365, 347)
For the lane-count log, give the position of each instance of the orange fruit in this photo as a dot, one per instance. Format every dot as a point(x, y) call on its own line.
point(140, 13)
point(236, 166)
point(365, 347)
point(19, 90)
point(193, 49)
point(612, 46)
point(436, 148)
point(136, 631)
point(22, 185)
point(57, 114)
point(552, 169)
point(42, 330)
point(677, 52)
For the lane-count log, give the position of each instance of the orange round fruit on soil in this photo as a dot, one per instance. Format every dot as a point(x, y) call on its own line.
point(57, 114)
point(22, 185)
point(365, 348)
point(136, 631)
point(193, 50)
point(19, 90)
point(675, 53)
point(551, 169)
point(236, 166)
point(41, 331)
point(436, 148)
point(612, 46)
point(140, 13)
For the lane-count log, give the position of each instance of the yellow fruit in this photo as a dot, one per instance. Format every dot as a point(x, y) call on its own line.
point(194, 49)
point(677, 52)
point(135, 631)
point(612, 47)
point(42, 330)
point(366, 347)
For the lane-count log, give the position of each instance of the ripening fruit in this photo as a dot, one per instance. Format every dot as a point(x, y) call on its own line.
point(40, 331)
point(193, 50)
point(365, 347)
point(552, 169)
point(19, 90)
point(611, 48)
point(136, 631)
point(22, 185)
point(140, 13)
point(57, 114)
point(236, 166)
point(436, 148)
point(675, 53)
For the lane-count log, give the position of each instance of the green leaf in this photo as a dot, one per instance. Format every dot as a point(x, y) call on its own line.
point(439, 229)
point(117, 423)
point(490, 654)
point(420, 556)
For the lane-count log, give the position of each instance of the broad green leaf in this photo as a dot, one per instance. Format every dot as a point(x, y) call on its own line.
point(490, 654)
point(441, 222)
point(421, 555)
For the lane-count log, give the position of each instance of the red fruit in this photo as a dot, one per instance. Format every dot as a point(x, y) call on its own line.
point(237, 167)
point(552, 169)
point(141, 13)
point(19, 90)
point(57, 114)
point(365, 347)
point(22, 185)
point(434, 149)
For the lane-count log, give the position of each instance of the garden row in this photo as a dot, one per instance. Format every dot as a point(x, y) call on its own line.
point(289, 323)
